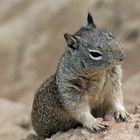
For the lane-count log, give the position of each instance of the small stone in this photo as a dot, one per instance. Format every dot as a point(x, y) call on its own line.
point(137, 109)
point(109, 117)
point(136, 126)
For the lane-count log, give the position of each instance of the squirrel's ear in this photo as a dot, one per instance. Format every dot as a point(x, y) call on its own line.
point(90, 20)
point(71, 41)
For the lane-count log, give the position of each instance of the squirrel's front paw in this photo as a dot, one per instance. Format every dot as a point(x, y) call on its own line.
point(121, 116)
point(97, 127)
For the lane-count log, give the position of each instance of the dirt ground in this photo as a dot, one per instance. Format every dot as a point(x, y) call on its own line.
point(31, 43)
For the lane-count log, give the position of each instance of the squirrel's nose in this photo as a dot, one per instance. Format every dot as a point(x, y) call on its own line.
point(122, 57)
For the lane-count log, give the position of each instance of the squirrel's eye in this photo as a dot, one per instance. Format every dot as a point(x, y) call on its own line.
point(95, 54)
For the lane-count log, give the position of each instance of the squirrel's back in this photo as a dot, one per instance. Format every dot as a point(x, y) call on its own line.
point(48, 112)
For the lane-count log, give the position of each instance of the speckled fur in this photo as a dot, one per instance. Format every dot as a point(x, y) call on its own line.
point(81, 88)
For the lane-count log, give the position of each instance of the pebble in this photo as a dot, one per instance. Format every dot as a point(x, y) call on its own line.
point(136, 126)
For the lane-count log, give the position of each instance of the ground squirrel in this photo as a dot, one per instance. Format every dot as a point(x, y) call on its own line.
point(87, 84)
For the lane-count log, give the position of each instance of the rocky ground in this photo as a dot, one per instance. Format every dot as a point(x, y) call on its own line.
point(31, 43)
point(117, 131)
point(15, 125)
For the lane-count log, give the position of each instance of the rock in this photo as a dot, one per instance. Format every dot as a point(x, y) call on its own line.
point(136, 126)
point(14, 120)
point(129, 130)
point(33, 137)
point(118, 131)
point(137, 109)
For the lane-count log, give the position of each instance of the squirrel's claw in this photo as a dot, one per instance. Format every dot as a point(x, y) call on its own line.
point(121, 116)
point(98, 127)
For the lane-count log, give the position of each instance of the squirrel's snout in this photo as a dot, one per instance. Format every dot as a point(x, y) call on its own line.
point(122, 57)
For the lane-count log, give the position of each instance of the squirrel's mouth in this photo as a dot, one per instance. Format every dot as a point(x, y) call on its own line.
point(116, 63)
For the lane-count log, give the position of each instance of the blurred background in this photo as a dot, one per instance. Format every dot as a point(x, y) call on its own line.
point(31, 43)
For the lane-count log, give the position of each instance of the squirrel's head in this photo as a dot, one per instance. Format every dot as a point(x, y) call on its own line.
point(92, 48)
